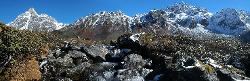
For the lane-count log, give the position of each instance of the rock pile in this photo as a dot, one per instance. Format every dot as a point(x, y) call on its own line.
point(140, 60)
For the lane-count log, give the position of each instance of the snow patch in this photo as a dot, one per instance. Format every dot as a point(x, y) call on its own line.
point(214, 64)
point(43, 63)
point(135, 37)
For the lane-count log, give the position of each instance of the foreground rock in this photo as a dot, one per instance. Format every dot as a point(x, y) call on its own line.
point(147, 57)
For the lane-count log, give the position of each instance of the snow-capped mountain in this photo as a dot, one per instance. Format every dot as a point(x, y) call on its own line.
point(100, 19)
point(190, 20)
point(230, 21)
point(30, 20)
point(180, 18)
point(101, 24)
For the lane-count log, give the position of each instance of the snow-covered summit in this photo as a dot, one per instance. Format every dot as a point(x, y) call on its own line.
point(31, 20)
point(32, 11)
point(186, 8)
point(230, 21)
point(102, 25)
point(192, 20)
point(104, 18)
point(180, 18)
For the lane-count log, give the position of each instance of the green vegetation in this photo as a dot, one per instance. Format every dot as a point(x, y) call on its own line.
point(16, 47)
point(19, 46)
point(209, 69)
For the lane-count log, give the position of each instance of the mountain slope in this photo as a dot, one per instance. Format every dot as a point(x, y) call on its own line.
point(230, 21)
point(102, 25)
point(30, 20)
point(180, 18)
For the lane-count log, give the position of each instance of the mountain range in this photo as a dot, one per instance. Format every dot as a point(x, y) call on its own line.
point(178, 18)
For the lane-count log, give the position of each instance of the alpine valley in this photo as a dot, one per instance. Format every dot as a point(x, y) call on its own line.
point(179, 43)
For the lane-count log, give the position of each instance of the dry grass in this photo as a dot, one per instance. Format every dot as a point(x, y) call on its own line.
point(26, 71)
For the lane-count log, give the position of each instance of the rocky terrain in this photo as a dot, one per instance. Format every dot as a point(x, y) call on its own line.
point(179, 43)
point(150, 58)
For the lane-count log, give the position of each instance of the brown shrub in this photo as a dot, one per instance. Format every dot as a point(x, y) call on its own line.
point(26, 71)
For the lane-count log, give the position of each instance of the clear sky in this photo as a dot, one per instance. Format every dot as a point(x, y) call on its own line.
point(68, 11)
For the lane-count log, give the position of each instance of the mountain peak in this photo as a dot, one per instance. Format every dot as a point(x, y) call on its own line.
point(186, 8)
point(94, 19)
point(30, 20)
point(32, 11)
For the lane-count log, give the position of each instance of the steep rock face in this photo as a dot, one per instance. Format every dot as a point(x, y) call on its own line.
point(30, 20)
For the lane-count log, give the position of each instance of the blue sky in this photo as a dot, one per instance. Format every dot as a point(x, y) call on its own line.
point(67, 11)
